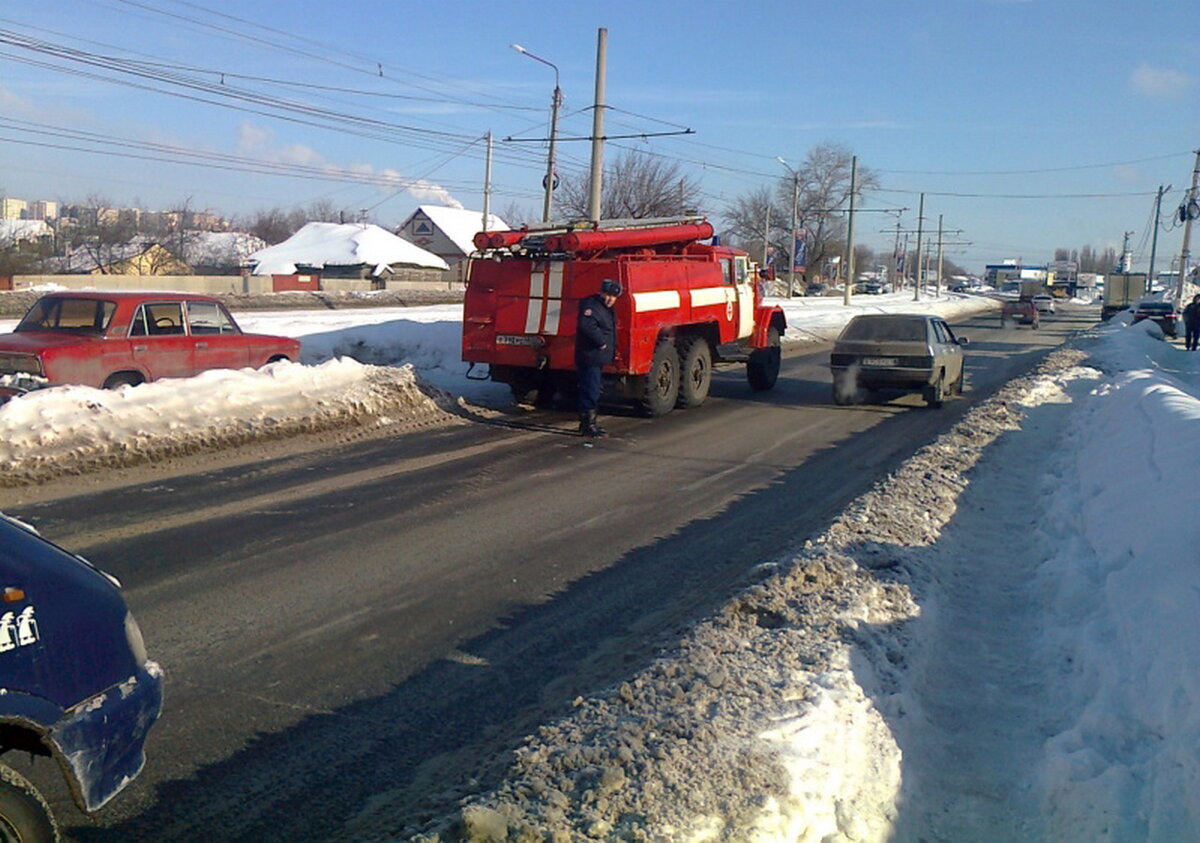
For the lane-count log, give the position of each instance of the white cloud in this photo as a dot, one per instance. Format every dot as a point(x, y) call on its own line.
point(1159, 82)
point(252, 138)
point(260, 143)
point(298, 153)
point(13, 104)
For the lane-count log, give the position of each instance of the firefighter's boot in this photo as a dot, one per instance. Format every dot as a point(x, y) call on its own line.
point(595, 430)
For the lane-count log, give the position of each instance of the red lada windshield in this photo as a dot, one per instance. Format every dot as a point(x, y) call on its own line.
point(69, 315)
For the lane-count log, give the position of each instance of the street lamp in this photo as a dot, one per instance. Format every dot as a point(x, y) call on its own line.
point(792, 233)
point(549, 182)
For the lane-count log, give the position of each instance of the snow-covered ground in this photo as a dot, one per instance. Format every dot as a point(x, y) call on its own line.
point(1001, 641)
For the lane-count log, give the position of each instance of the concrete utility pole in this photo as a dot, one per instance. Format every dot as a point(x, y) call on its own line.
point(897, 276)
point(792, 236)
point(766, 235)
point(1154, 237)
point(597, 174)
point(792, 232)
point(1189, 205)
point(849, 285)
point(1126, 263)
point(487, 184)
point(938, 289)
point(548, 203)
point(920, 221)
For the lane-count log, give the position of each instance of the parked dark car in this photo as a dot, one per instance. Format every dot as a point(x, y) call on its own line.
point(109, 339)
point(77, 685)
point(1162, 312)
point(897, 353)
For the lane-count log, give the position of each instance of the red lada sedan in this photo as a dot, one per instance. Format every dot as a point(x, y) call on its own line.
point(107, 339)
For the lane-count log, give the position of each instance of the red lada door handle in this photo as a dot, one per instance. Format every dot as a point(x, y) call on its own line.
point(139, 348)
point(201, 345)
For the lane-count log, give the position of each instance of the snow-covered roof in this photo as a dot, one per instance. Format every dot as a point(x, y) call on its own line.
point(221, 248)
point(321, 244)
point(458, 225)
point(13, 230)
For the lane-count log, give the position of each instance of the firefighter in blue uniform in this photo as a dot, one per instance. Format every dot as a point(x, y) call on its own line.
point(595, 348)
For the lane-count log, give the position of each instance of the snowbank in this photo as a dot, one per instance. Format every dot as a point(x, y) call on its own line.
point(54, 431)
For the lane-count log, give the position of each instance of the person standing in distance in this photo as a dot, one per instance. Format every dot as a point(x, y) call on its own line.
point(595, 348)
point(1191, 323)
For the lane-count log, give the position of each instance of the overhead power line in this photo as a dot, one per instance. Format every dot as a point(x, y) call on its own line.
point(83, 141)
point(1016, 195)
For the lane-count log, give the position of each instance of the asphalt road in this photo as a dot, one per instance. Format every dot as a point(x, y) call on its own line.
point(382, 623)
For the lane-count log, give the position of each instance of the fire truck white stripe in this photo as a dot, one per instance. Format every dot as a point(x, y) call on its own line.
point(705, 296)
point(533, 312)
point(657, 300)
point(556, 281)
point(553, 310)
point(533, 316)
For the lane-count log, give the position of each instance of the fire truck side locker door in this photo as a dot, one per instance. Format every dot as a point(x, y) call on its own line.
point(745, 297)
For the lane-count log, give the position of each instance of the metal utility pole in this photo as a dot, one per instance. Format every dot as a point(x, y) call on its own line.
point(920, 221)
point(849, 285)
point(548, 204)
point(597, 173)
point(1189, 210)
point(487, 184)
point(1154, 238)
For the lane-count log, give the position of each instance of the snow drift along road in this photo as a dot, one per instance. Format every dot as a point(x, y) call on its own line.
point(996, 643)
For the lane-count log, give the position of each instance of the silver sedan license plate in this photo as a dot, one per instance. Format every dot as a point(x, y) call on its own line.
point(879, 361)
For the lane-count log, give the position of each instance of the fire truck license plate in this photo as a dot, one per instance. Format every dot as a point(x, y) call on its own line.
point(514, 339)
point(879, 361)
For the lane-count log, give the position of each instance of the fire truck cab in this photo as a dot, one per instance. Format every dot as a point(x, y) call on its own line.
point(686, 306)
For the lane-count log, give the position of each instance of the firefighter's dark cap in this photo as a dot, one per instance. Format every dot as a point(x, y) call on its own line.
point(610, 288)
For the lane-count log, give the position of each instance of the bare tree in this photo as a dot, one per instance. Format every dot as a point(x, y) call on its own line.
point(20, 255)
point(274, 225)
point(635, 186)
point(755, 218)
point(101, 232)
point(1089, 259)
point(822, 193)
point(323, 210)
point(517, 215)
point(822, 183)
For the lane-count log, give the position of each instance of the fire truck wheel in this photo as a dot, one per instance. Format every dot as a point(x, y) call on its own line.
point(762, 369)
point(696, 375)
point(532, 387)
point(24, 814)
point(662, 382)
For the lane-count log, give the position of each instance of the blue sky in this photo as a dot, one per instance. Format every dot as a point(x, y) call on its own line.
point(981, 104)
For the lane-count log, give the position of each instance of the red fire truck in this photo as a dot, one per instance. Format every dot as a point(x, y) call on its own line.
point(687, 305)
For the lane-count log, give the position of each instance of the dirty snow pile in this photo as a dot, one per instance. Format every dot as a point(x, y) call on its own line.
point(54, 431)
point(998, 642)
